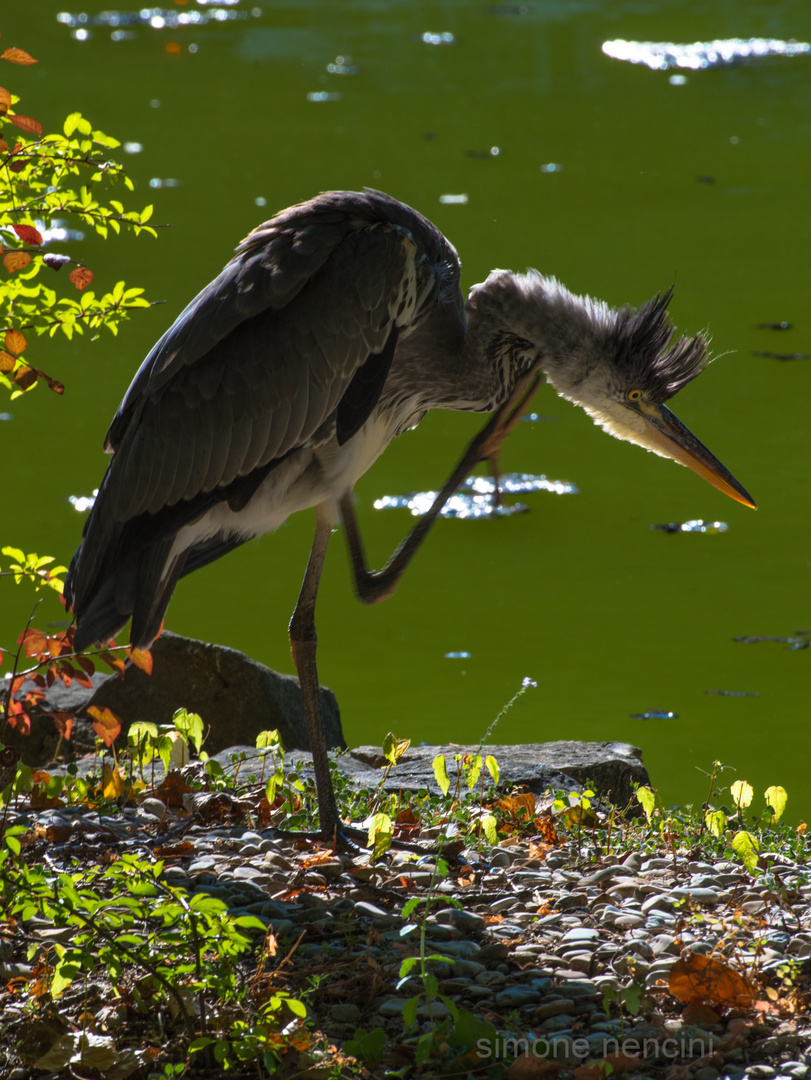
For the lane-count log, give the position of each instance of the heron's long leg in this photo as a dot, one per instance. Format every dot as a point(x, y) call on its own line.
point(303, 640)
point(373, 586)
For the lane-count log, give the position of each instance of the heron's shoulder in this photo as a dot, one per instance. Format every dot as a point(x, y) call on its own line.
point(319, 224)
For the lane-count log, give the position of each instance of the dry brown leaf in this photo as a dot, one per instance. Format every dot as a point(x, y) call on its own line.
point(532, 1068)
point(696, 977)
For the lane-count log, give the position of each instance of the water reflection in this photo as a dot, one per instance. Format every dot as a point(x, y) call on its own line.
point(799, 640)
point(83, 503)
point(156, 18)
point(661, 55)
point(475, 499)
point(698, 525)
point(655, 714)
point(733, 693)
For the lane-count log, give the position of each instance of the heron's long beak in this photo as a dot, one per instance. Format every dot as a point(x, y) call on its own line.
point(674, 440)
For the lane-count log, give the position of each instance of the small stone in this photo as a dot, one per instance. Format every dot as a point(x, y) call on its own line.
point(553, 1008)
point(154, 807)
point(561, 1022)
point(345, 1013)
point(392, 1007)
point(513, 997)
point(205, 862)
point(628, 922)
point(493, 954)
point(580, 934)
point(761, 1072)
point(363, 909)
point(706, 1073)
point(463, 920)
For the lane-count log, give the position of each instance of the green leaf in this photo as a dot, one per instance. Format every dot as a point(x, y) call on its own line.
point(776, 798)
point(298, 1008)
point(716, 822)
point(746, 847)
point(441, 774)
point(492, 767)
point(647, 799)
point(410, 905)
point(490, 829)
point(410, 1012)
point(742, 793)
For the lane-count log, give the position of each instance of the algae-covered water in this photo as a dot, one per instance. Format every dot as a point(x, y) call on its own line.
point(617, 177)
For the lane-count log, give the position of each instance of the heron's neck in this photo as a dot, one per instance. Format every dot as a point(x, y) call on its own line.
point(515, 320)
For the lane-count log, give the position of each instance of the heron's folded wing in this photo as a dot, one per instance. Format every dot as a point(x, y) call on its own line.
point(188, 427)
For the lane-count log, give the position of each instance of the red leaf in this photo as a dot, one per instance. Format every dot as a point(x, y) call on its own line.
point(17, 166)
point(105, 724)
point(141, 658)
point(28, 234)
point(25, 376)
point(5, 98)
point(87, 664)
point(17, 56)
point(16, 260)
point(26, 123)
point(54, 384)
point(81, 277)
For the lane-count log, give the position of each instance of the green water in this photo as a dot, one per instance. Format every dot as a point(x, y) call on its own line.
point(705, 184)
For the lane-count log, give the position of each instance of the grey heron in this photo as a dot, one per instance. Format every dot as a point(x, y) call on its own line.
point(336, 326)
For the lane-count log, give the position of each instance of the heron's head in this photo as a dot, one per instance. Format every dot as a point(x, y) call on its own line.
point(619, 365)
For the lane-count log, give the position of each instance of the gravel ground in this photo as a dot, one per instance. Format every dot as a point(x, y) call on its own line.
point(545, 942)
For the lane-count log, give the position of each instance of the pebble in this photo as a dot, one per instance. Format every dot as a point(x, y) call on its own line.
point(535, 944)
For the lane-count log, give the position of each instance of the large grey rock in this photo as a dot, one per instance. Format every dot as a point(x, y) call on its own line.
point(612, 767)
point(236, 696)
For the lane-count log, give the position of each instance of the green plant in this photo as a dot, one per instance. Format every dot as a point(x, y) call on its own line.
point(158, 944)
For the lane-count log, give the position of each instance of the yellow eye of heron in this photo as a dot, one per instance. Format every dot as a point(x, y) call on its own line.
point(634, 395)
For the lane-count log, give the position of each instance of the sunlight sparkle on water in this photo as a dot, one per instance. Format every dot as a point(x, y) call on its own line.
point(475, 497)
point(661, 55)
point(83, 503)
point(698, 525)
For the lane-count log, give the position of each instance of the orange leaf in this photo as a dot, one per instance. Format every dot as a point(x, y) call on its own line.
point(17, 56)
point(5, 98)
point(26, 123)
point(15, 342)
point(172, 790)
point(105, 724)
point(63, 722)
point(81, 277)
point(16, 260)
point(25, 376)
point(34, 642)
point(7, 362)
point(141, 658)
point(115, 662)
point(697, 977)
point(28, 234)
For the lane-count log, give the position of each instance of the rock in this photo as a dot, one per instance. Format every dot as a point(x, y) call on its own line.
point(236, 696)
point(613, 767)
